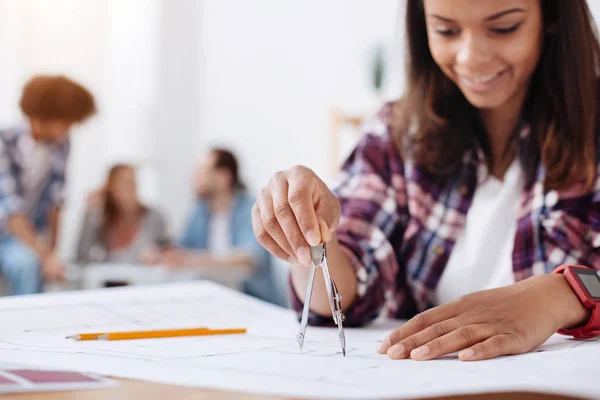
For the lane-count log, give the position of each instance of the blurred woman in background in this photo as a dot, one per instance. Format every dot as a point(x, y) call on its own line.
point(117, 227)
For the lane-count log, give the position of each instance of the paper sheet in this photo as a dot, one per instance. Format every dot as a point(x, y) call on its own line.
point(266, 360)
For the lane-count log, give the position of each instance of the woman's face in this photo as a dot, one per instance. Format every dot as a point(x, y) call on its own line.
point(488, 48)
point(123, 189)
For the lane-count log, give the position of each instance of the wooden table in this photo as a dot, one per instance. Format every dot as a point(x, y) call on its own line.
point(154, 391)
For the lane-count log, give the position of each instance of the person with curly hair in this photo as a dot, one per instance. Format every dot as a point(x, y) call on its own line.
point(33, 159)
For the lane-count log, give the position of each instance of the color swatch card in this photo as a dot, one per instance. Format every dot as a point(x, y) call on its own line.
point(19, 379)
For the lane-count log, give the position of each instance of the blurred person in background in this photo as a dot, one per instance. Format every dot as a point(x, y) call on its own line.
point(117, 227)
point(219, 229)
point(33, 159)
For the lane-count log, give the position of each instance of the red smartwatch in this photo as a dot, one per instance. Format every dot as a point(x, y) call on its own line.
point(585, 282)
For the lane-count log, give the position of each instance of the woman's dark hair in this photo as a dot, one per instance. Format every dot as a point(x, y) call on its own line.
point(111, 209)
point(561, 105)
point(225, 159)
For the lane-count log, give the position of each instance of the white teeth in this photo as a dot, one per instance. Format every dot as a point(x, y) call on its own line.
point(484, 78)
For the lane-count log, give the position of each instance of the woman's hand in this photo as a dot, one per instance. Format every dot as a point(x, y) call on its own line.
point(53, 269)
point(509, 320)
point(296, 209)
point(151, 256)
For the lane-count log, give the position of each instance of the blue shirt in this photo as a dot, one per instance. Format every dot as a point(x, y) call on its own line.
point(12, 167)
point(196, 233)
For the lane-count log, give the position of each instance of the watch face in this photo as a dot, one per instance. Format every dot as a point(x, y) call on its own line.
point(590, 280)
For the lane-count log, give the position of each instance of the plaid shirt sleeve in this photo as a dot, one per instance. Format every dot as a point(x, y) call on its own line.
point(59, 176)
point(571, 227)
point(57, 191)
point(372, 193)
point(11, 201)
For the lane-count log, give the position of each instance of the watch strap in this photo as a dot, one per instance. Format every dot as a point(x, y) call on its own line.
point(591, 328)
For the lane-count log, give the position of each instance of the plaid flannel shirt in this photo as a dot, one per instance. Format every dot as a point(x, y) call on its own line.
point(399, 224)
point(12, 164)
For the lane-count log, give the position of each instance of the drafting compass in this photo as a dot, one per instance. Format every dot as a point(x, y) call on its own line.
point(319, 259)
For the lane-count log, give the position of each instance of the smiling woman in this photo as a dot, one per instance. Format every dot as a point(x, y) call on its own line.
point(491, 57)
point(481, 185)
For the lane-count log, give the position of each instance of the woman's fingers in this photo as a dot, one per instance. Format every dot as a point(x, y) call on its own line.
point(459, 339)
point(495, 346)
point(403, 347)
point(266, 240)
point(286, 218)
point(302, 185)
point(295, 211)
point(326, 233)
point(328, 209)
point(270, 224)
point(417, 324)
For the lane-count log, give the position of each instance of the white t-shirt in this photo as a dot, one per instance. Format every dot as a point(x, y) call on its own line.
point(219, 233)
point(482, 255)
point(36, 171)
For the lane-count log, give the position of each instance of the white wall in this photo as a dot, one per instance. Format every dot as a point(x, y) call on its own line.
point(111, 46)
point(274, 69)
point(595, 8)
point(39, 36)
point(178, 112)
point(173, 77)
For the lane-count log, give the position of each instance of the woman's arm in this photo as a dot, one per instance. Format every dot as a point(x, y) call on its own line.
point(371, 193)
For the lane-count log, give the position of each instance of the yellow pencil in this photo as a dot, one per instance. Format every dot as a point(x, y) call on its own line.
point(85, 336)
point(169, 333)
point(93, 336)
point(163, 334)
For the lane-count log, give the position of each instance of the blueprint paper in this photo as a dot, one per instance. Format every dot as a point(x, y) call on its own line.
point(266, 360)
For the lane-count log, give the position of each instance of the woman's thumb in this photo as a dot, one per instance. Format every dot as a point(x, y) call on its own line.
point(325, 231)
point(328, 214)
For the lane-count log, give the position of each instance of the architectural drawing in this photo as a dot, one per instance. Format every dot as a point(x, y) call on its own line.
point(266, 359)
